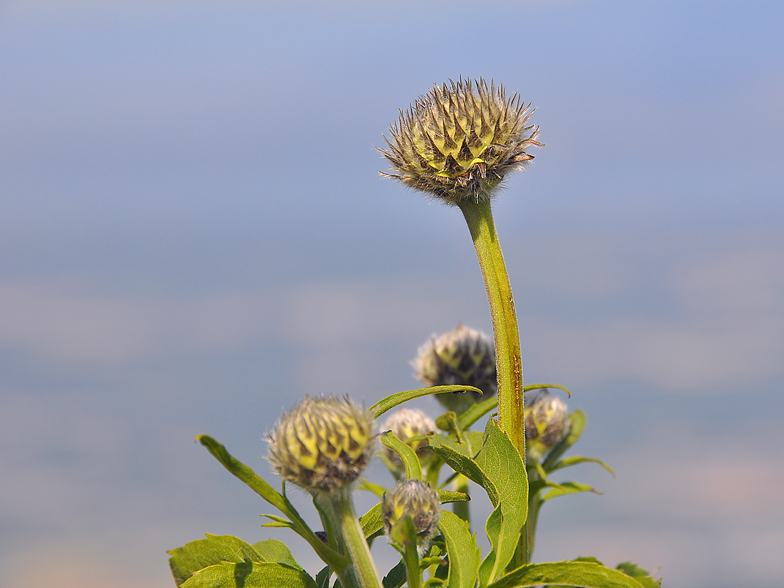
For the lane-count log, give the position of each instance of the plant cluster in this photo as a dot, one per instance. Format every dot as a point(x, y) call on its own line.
point(456, 143)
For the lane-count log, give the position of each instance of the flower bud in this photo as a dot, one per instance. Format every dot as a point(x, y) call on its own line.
point(458, 141)
point(407, 423)
point(462, 356)
point(322, 443)
point(546, 423)
point(417, 499)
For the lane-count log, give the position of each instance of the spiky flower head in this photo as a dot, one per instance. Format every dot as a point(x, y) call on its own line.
point(405, 424)
point(322, 443)
point(546, 423)
point(461, 356)
point(417, 499)
point(459, 140)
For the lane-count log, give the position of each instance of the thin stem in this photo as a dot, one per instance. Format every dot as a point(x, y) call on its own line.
point(509, 363)
point(343, 516)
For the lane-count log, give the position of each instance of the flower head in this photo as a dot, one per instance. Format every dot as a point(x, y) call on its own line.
point(461, 356)
point(459, 140)
point(417, 499)
point(546, 423)
point(405, 424)
point(322, 443)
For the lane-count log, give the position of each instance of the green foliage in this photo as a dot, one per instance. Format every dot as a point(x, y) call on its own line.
point(493, 459)
point(250, 575)
point(463, 553)
point(398, 398)
point(566, 573)
point(407, 455)
point(225, 561)
point(506, 471)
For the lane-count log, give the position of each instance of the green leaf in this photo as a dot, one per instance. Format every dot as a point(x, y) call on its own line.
point(505, 470)
point(200, 554)
point(566, 573)
point(329, 556)
point(392, 401)
point(372, 522)
point(570, 461)
point(576, 426)
point(447, 496)
point(458, 456)
point(463, 553)
point(277, 551)
point(407, 455)
point(396, 576)
point(250, 574)
point(367, 486)
point(565, 488)
point(322, 578)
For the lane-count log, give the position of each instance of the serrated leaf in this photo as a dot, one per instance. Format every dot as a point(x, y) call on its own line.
point(392, 401)
point(565, 488)
point(250, 574)
point(407, 455)
point(277, 551)
point(463, 552)
point(576, 426)
point(570, 461)
point(505, 469)
point(566, 573)
point(203, 553)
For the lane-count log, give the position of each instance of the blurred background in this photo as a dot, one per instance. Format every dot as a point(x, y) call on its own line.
point(194, 236)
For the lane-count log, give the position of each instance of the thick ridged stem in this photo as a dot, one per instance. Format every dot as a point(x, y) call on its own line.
point(509, 363)
point(338, 510)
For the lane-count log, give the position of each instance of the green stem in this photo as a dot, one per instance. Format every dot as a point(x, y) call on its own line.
point(413, 571)
point(509, 363)
point(338, 509)
point(479, 218)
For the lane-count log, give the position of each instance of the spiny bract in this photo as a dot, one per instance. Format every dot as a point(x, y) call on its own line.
point(322, 444)
point(461, 356)
point(459, 140)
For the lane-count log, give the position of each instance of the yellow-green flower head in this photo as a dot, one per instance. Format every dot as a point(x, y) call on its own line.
point(461, 356)
point(322, 443)
point(459, 140)
point(405, 424)
point(417, 499)
point(546, 423)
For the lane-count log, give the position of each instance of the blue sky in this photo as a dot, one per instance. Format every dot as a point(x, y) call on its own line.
point(193, 236)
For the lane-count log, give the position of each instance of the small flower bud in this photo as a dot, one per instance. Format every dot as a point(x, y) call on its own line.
point(417, 499)
point(407, 423)
point(322, 443)
point(462, 356)
point(458, 141)
point(546, 423)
